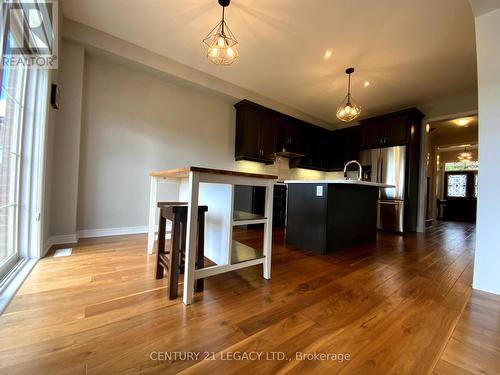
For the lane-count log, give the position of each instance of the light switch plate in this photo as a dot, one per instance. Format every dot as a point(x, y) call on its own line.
point(319, 191)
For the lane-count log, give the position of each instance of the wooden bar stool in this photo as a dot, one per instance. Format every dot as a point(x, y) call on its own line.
point(172, 260)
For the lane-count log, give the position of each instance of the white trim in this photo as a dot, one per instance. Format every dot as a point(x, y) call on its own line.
point(424, 149)
point(105, 232)
point(91, 233)
point(14, 280)
point(216, 270)
point(422, 179)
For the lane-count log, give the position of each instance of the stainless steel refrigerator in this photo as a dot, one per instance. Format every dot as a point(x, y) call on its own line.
point(388, 165)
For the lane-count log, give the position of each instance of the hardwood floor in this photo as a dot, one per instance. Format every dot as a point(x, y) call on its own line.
point(474, 347)
point(390, 305)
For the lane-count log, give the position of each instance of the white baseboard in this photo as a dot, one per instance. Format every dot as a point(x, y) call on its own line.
point(105, 232)
point(90, 233)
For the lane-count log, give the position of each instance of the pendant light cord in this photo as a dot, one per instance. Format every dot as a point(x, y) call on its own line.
point(223, 9)
point(349, 89)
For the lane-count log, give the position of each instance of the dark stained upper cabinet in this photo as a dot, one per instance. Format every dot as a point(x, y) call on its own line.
point(289, 136)
point(255, 133)
point(372, 134)
point(262, 134)
point(345, 146)
point(392, 129)
point(315, 149)
point(397, 130)
point(352, 143)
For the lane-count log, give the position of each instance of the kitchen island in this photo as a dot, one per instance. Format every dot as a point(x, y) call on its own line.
point(328, 215)
point(214, 188)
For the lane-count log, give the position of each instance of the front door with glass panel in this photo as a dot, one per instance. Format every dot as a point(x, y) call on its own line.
point(461, 196)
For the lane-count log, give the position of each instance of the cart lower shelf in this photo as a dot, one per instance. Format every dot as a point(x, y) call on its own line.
point(242, 253)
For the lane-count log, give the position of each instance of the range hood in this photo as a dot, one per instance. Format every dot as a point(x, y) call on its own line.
point(287, 153)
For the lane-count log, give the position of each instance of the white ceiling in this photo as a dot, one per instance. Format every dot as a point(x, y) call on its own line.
point(413, 52)
point(481, 7)
point(447, 131)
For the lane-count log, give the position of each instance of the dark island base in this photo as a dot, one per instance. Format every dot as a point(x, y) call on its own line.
point(345, 215)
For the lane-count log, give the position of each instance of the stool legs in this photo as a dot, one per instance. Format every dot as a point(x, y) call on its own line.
point(200, 257)
point(174, 263)
point(161, 247)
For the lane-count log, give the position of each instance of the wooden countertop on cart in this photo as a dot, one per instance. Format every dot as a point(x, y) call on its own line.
point(184, 172)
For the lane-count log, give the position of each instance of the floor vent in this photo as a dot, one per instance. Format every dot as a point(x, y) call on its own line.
point(63, 253)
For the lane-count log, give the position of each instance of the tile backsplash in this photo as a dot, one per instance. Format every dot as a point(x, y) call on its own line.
point(282, 170)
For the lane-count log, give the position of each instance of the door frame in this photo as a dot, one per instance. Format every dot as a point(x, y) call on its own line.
point(424, 149)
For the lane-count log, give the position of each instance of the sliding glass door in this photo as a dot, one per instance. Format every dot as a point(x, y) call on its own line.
point(23, 114)
point(12, 98)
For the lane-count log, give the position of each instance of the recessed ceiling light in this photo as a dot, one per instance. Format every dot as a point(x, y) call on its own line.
point(328, 54)
point(464, 121)
point(367, 83)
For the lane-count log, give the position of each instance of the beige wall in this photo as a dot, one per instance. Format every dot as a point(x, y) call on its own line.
point(66, 144)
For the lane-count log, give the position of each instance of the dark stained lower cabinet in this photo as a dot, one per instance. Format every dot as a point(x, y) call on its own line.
point(344, 215)
point(279, 205)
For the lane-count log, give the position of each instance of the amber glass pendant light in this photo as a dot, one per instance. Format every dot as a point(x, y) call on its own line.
point(220, 44)
point(348, 109)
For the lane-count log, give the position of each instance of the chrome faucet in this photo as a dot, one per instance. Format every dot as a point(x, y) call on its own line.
point(360, 169)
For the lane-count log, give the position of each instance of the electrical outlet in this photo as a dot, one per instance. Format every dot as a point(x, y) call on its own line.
point(319, 191)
